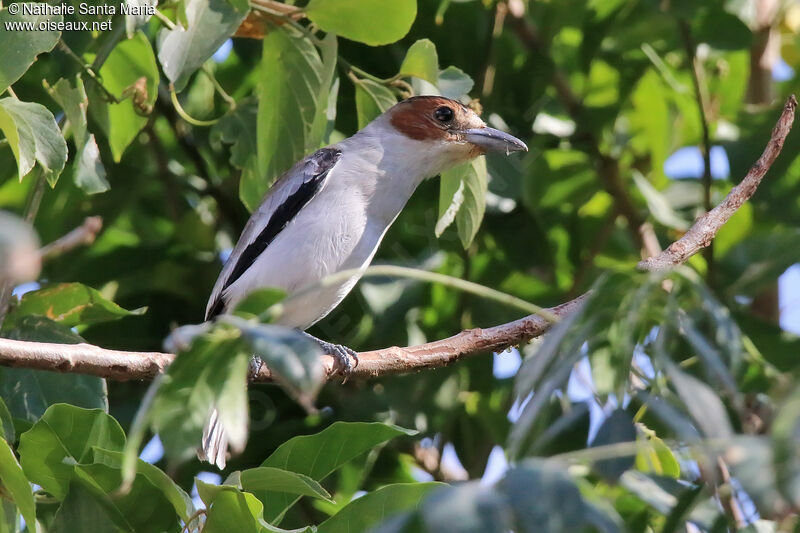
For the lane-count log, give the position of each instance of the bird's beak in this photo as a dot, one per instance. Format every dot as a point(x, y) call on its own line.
point(494, 140)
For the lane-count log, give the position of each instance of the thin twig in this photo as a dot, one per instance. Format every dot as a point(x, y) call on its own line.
point(84, 234)
point(89, 70)
point(705, 228)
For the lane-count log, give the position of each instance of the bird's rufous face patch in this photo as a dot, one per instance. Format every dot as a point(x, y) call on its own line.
point(433, 117)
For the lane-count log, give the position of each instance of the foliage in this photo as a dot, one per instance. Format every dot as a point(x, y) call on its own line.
point(668, 399)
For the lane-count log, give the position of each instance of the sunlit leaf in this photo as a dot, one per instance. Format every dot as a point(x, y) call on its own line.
point(34, 137)
point(15, 483)
point(209, 23)
point(655, 456)
point(462, 198)
point(130, 73)
point(421, 61)
point(295, 84)
point(373, 22)
point(271, 479)
point(70, 304)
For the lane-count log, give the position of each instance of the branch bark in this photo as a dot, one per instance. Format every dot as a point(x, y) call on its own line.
point(120, 365)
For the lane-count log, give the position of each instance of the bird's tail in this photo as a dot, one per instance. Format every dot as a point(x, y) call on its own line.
point(214, 447)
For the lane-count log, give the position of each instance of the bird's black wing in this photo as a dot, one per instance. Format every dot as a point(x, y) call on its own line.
point(283, 201)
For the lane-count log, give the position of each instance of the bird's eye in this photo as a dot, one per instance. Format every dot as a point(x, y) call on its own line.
point(443, 114)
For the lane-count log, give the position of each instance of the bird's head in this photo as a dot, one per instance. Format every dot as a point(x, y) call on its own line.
point(450, 126)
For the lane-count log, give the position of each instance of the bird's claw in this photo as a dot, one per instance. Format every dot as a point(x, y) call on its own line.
point(342, 354)
point(255, 365)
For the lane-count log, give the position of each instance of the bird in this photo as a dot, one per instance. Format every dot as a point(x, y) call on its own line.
point(330, 211)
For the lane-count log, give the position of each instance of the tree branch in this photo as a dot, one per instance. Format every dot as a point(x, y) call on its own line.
point(120, 365)
point(82, 235)
point(706, 227)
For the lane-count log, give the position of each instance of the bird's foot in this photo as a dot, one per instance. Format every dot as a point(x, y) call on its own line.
point(340, 353)
point(255, 366)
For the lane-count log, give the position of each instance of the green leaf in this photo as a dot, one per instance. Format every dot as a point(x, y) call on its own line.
point(152, 503)
point(372, 99)
point(373, 22)
point(454, 83)
point(466, 508)
point(650, 124)
point(618, 427)
point(210, 23)
point(129, 62)
point(21, 47)
point(70, 304)
point(654, 456)
point(255, 303)
point(238, 128)
point(313, 456)
point(73, 101)
point(28, 393)
point(702, 403)
point(16, 484)
point(271, 479)
point(6, 422)
point(373, 508)
point(62, 438)
point(176, 496)
point(89, 173)
point(295, 84)
point(34, 137)
point(229, 509)
point(290, 355)
point(421, 61)
point(139, 16)
point(543, 493)
point(721, 30)
point(80, 507)
point(462, 197)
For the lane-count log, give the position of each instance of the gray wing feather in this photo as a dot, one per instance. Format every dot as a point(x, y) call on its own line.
point(284, 200)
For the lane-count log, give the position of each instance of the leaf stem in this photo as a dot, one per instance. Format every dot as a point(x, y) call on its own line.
point(223, 94)
point(88, 69)
point(421, 275)
point(11, 92)
point(183, 114)
point(164, 19)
